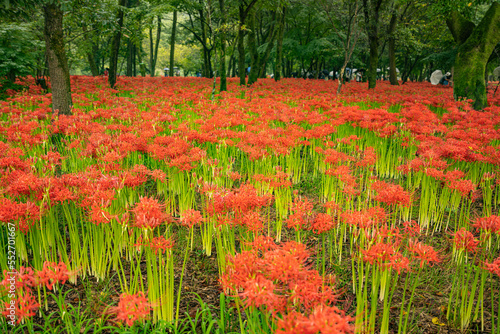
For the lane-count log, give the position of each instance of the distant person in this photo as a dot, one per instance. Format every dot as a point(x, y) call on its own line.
point(106, 72)
point(166, 71)
point(445, 80)
point(359, 76)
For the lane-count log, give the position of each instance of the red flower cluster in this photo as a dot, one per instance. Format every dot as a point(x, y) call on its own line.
point(24, 281)
point(132, 308)
point(149, 213)
point(275, 278)
point(391, 194)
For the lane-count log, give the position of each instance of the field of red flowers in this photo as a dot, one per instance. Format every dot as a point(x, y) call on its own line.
point(375, 211)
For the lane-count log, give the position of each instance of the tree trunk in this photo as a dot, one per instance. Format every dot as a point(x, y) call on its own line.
point(157, 44)
point(279, 47)
point(258, 65)
point(252, 49)
point(241, 47)
point(372, 8)
point(270, 43)
point(142, 67)
point(172, 45)
point(58, 62)
point(130, 55)
point(223, 83)
point(115, 46)
point(90, 55)
point(393, 76)
point(475, 47)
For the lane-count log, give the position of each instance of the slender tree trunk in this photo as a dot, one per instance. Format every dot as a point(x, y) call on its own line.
point(372, 8)
point(270, 43)
point(172, 44)
point(115, 45)
point(279, 47)
point(154, 50)
point(142, 67)
point(58, 62)
point(241, 47)
point(393, 76)
point(252, 49)
point(130, 55)
point(234, 67)
point(476, 43)
point(223, 83)
point(134, 60)
point(230, 73)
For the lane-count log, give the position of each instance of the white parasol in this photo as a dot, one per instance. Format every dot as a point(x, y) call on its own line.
point(436, 76)
point(496, 73)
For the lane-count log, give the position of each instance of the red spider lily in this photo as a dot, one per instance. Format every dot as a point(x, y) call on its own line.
point(425, 253)
point(52, 273)
point(323, 319)
point(334, 157)
point(302, 213)
point(261, 292)
point(323, 223)
point(25, 306)
point(24, 214)
point(365, 219)
point(464, 187)
point(489, 224)
point(331, 320)
point(391, 194)
point(149, 213)
point(464, 240)
point(391, 235)
point(191, 218)
point(385, 256)
point(24, 279)
point(412, 228)
point(253, 221)
point(256, 275)
point(98, 216)
point(369, 158)
point(493, 267)
point(156, 243)
point(332, 206)
point(132, 308)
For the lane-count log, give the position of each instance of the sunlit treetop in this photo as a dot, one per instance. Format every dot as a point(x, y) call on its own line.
point(470, 9)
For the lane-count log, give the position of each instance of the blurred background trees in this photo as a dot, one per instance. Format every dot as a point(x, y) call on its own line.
point(400, 40)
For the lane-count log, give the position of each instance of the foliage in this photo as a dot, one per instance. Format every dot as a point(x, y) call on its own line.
point(19, 50)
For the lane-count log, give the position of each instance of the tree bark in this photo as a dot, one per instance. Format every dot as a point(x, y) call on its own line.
point(223, 82)
point(115, 45)
point(153, 50)
point(258, 65)
point(58, 62)
point(252, 49)
point(130, 58)
point(393, 76)
point(243, 13)
point(372, 8)
point(279, 47)
point(473, 52)
point(172, 45)
point(270, 43)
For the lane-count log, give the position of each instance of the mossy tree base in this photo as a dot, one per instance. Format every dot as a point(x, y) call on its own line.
point(476, 43)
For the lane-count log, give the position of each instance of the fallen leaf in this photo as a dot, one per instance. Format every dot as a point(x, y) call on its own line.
point(436, 321)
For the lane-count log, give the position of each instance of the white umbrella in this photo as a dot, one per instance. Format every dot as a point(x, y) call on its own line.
point(496, 73)
point(436, 76)
point(397, 69)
